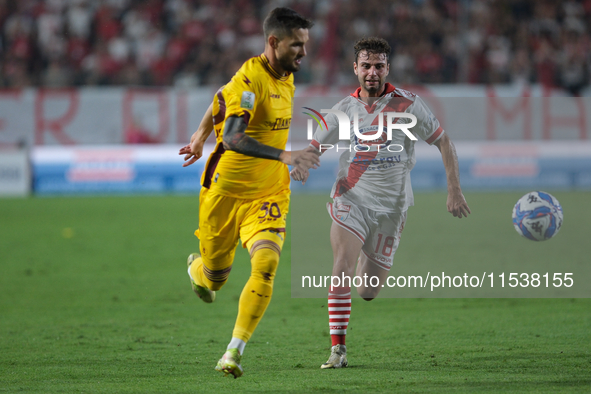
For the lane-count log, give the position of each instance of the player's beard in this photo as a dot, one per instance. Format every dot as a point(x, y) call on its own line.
point(288, 63)
point(371, 89)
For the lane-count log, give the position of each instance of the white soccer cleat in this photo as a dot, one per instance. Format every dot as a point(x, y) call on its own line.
point(229, 364)
point(208, 296)
point(337, 359)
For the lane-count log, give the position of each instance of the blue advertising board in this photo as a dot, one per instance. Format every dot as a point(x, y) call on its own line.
point(158, 168)
point(113, 170)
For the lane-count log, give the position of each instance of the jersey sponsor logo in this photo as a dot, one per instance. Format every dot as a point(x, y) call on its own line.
point(281, 124)
point(247, 101)
point(372, 131)
point(273, 95)
point(362, 160)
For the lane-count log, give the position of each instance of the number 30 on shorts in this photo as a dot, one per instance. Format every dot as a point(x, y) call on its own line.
point(269, 210)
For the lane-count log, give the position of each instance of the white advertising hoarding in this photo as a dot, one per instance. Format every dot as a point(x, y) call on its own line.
point(15, 172)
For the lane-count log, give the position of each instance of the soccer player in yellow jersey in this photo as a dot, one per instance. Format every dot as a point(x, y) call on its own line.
point(245, 193)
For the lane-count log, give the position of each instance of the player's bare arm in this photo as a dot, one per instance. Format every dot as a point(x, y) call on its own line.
point(194, 150)
point(456, 203)
point(235, 139)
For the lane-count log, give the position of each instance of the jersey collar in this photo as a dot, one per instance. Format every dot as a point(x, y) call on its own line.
point(271, 70)
point(388, 89)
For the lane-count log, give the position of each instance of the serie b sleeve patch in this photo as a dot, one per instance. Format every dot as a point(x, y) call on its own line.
point(247, 101)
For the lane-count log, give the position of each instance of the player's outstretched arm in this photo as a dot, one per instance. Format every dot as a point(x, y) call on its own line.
point(236, 139)
point(194, 150)
point(456, 203)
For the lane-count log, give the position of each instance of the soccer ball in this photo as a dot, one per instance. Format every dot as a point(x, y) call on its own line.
point(537, 216)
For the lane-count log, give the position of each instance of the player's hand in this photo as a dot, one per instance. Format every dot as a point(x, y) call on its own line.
point(192, 152)
point(305, 159)
point(457, 205)
point(298, 175)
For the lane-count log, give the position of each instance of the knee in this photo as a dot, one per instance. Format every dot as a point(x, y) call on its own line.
point(368, 294)
point(264, 264)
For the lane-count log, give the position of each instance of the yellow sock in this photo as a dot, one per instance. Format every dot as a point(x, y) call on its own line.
point(256, 295)
point(206, 277)
point(196, 270)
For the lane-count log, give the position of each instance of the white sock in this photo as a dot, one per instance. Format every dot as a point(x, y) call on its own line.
point(236, 343)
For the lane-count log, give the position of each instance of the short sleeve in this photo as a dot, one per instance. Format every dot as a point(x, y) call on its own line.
point(242, 96)
point(428, 127)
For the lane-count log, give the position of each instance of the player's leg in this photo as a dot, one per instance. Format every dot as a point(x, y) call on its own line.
point(369, 269)
point(206, 295)
point(378, 252)
point(218, 235)
point(347, 234)
point(212, 272)
point(265, 250)
point(263, 233)
point(345, 248)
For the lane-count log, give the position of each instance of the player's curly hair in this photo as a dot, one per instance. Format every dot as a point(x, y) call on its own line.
point(373, 45)
point(282, 20)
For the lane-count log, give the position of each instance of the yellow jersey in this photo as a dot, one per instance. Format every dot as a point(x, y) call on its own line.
point(264, 99)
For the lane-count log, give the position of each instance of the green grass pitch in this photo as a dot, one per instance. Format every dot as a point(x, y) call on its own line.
point(94, 298)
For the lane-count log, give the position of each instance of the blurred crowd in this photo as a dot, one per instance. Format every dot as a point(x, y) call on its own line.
point(189, 43)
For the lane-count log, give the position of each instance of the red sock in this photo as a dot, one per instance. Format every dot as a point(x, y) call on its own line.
point(339, 310)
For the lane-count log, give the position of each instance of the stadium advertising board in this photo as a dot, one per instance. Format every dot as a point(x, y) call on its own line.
point(112, 170)
point(15, 172)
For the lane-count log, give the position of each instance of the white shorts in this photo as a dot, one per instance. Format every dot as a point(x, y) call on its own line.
point(379, 231)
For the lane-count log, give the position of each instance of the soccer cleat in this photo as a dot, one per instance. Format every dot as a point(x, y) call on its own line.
point(204, 293)
point(337, 359)
point(230, 363)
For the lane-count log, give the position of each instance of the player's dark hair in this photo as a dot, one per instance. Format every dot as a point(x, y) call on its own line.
point(281, 21)
point(373, 45)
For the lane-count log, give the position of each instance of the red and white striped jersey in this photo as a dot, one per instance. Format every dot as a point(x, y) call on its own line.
point(377, 174)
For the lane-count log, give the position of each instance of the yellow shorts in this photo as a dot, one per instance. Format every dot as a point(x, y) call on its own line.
point(223, 220)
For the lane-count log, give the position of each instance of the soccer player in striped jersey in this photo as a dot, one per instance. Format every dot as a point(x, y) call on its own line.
point(373, 191)
point(245, 193)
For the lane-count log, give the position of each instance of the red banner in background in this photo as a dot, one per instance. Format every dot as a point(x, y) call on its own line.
point(98, 116)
